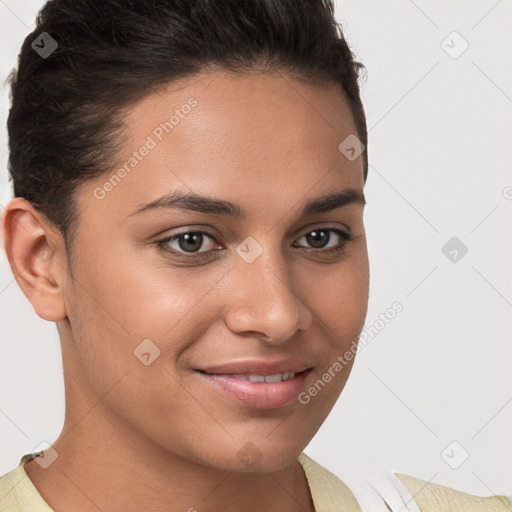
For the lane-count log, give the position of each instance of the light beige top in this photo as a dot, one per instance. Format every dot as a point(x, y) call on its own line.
point(329, 493)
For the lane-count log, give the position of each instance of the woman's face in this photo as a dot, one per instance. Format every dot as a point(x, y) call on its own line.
point(151, 319)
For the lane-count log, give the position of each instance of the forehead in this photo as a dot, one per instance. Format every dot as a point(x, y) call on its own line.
point(253, 137)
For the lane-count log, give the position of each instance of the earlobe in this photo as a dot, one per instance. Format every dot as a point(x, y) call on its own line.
point(33, 251)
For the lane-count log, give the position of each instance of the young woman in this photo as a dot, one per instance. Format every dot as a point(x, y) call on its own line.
point(189, 194)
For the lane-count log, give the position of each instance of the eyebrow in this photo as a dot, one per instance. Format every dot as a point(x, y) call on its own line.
point(205, 204)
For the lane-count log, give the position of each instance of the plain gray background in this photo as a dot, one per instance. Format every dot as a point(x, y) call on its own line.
point(433, 386)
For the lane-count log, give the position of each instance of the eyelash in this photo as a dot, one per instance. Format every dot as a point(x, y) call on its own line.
point(345, 237)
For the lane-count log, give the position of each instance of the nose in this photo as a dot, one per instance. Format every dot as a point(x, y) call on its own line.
point(263, 300)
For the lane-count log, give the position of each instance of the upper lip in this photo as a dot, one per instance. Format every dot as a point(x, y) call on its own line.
point(258, 367)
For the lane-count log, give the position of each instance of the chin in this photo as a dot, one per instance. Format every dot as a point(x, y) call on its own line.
point(250, 459)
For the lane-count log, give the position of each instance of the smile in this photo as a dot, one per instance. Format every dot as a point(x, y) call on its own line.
point(257, 391)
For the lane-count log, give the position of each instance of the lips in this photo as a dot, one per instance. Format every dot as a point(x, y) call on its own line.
point(258, 384)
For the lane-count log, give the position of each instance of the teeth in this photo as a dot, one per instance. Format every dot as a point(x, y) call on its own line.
point(278, 377)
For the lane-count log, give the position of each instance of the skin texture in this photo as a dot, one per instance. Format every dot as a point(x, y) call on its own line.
point(141, 437)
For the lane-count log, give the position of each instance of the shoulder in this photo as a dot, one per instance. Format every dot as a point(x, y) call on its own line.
point(17, 492)
point(9, 490)
point(329, 493)
point(435, 497)
point(395, 492)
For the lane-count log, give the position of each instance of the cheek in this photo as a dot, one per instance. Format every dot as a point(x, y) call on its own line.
point(126, 302)
point(154, 295)
point(339, 299)
point(118, 311)
point(144, 298)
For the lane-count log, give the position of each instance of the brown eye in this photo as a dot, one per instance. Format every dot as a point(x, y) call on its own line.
point(187, 245)
point(190, 241)
point(320, 238)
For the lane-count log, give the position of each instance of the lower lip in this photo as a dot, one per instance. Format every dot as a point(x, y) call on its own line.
point(258, 395)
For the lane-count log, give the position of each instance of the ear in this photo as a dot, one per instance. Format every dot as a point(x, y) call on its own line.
point(34, 251)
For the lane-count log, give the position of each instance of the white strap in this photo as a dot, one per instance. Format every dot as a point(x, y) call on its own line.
point(383, 492)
